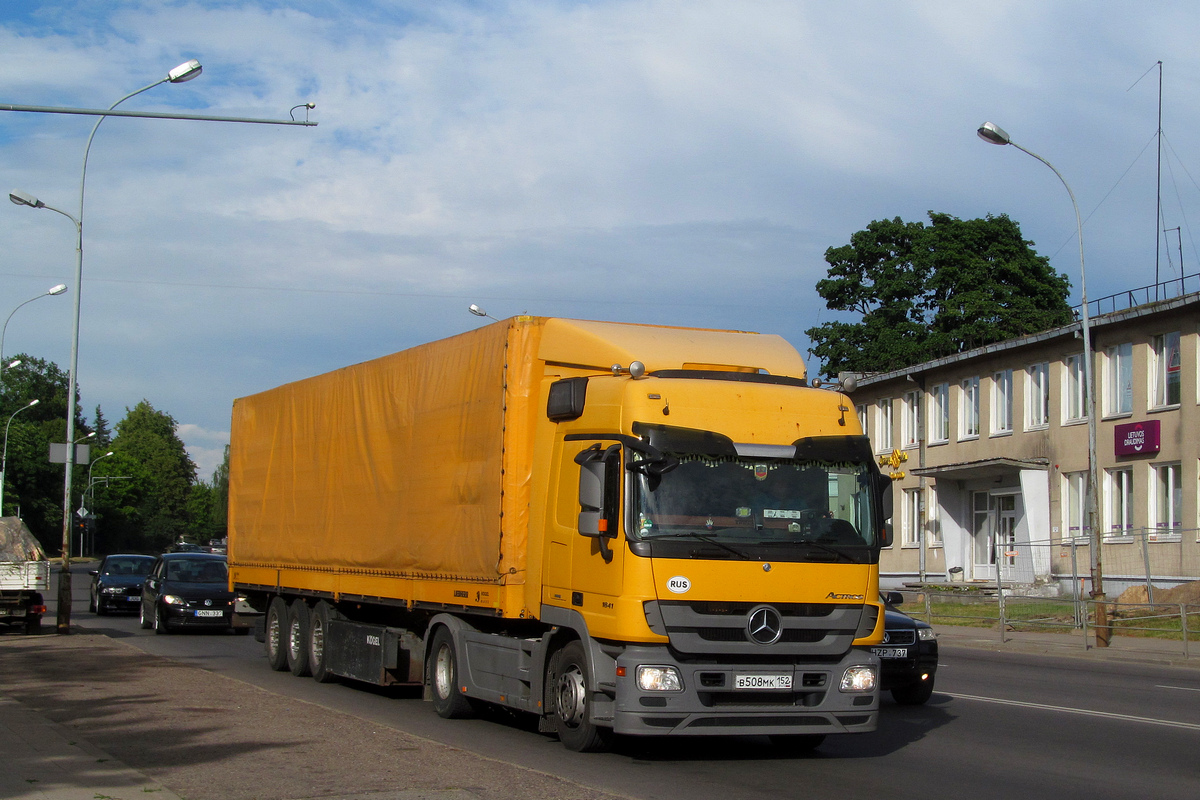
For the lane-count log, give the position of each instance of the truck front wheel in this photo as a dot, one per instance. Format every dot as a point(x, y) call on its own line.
point(276, 634)
point(569, 681)
point(442, 675)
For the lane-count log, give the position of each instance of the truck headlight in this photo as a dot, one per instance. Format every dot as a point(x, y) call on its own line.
point(926, 634)
point(860, 678)
point(659, 679)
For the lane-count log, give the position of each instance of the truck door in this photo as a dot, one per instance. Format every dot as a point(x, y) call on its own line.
point(586, 551)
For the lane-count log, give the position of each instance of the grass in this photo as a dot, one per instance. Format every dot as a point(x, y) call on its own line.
point(1054, 616)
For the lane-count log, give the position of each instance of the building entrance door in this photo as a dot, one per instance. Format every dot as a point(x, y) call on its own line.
point(994, 522)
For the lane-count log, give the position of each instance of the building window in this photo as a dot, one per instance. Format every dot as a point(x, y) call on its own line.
point(968, 409)
point(1165, 371)
point(939, 413)
point(1075, 505)
point(1118, 379)
point(912, 518)
point(862, 417)
point(1167, 513)
point(1076, 393)
point(1119, 505)
point(884, 434)
point(933, 516)
point(1002, 402)
point(910, 423)
point(1037, 395)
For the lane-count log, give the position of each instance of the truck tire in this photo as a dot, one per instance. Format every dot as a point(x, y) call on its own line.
point(318, 662)
point(441, 672)
point(276, 634)
point(569, 683)
point(299, 632)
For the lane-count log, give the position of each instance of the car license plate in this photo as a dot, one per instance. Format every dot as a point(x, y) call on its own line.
point(890, 652)
point(205, 613)
point(762, 681)
point(133, 599)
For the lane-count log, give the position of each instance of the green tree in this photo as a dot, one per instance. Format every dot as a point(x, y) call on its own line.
point(162, 474)
point(33, 485)
point(924, 291)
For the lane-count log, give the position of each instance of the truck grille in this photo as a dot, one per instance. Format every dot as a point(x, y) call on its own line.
point(805, 629)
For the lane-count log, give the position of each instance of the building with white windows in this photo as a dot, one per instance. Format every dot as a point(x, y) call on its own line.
point(997, 452)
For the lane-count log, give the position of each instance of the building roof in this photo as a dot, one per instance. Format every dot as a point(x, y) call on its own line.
point(1104, 320)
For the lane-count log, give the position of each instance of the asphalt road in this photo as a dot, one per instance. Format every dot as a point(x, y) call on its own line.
point(999, 725)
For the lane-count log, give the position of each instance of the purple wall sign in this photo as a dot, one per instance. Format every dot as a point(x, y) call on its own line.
point(1136, 438)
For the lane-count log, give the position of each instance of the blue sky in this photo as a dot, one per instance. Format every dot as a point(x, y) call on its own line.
point(682, 163)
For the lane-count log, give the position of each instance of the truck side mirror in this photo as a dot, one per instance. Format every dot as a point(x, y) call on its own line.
point(599, 483)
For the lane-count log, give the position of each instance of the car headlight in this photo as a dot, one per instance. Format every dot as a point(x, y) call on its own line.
point(173, 600)
point(926, 634)
point(112, 590)
point(859, 678)
point(659, 679)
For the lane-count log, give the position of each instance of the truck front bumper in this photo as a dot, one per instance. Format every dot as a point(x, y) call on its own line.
point(709, 702)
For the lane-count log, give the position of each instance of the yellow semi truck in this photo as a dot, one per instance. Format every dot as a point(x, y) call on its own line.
point(619, 528)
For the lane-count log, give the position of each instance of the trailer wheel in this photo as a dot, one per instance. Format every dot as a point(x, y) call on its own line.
point(318, 661)
point(442, 675)
point(570, 683)
point(298, 633)
point(276, 634)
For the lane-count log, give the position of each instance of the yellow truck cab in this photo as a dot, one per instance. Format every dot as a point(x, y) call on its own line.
point(619, 528)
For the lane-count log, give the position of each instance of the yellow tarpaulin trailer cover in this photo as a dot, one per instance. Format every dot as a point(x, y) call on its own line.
point(396, 466)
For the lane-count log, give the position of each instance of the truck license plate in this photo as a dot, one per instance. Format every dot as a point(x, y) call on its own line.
point(890, 652)
point(208, 613)
point(762, 681)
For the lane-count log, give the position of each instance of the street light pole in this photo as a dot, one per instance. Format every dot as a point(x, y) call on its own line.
point(51, 292)
point(4, 458)
point(181, 73)
point(994, 134)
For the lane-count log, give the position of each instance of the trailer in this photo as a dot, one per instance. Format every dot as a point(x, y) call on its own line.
point(24, 577)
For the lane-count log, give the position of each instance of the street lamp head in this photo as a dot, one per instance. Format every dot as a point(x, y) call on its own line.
point(992, 133)
point(476, 310)
point(32, 403)
point(25, 199)
point(185, 72)
point(57, 290)
point(11, 364)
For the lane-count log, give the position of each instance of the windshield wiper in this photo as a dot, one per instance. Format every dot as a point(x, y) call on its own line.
point(836, 551)
point(701, 537)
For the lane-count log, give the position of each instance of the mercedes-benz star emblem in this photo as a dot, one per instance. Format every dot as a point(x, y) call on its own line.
point(764, 625)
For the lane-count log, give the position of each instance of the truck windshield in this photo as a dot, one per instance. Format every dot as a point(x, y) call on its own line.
point(734, 500)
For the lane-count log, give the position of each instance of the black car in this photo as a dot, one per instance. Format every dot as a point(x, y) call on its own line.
point(908, 655)
point(117, 583)
point(188, 591)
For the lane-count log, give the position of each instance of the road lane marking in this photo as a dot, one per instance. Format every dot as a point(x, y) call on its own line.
point(1180, 688)
point(1081, 711)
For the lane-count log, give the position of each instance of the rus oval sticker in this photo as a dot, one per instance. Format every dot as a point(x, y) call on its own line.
point(678, 584)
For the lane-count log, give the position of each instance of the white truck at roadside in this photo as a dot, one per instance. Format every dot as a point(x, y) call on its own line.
point(24, 576)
